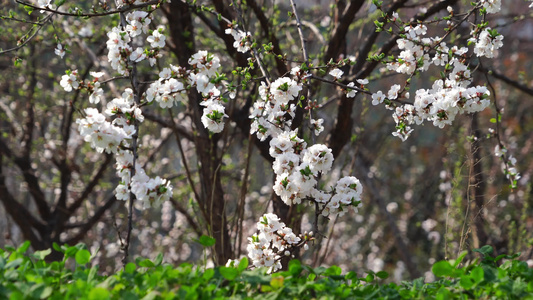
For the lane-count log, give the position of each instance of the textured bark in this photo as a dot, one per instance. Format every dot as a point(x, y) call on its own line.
point(211, 202)
point(478, 185)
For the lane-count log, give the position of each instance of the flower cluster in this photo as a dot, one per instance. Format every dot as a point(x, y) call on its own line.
point(351, 91)
point(45, 4)
point(273, 241)
point(412, 56)
point(487, 43)
point(242, 39)
point(492, 6)
point(97, 93)
point(448, 96)
point(168, 90)
point(113, 137)
point(102, 134)
point(296, 165)
point(119, 44)
point(508, 165)
point(269, 115)
point(348, 191)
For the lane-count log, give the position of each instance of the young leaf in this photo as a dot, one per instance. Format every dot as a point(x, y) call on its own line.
point(83, 256)
point(40, 255)
point(243, 264)
point(206, 241)
point(146, 263)
point(130, 268)
point(442, 268)
point(229, 273)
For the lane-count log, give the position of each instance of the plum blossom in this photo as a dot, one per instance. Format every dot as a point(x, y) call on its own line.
point(378, 98)
point(273, 240)
point(319, 157)
point(69, 81)
point(213, 116)
point(156, 40)
point(350, 93)
point(242, 39)
point(492, 6)
point(336, 73)
point(284, 90)
point(487, 43)
point(59, 51)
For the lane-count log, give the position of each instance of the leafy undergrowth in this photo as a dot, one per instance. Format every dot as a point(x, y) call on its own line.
point(28, 276)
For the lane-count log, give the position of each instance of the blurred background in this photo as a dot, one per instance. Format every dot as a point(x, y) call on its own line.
point(428, 198)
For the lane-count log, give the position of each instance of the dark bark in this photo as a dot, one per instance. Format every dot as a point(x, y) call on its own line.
point(211, 202)
point(478, 184)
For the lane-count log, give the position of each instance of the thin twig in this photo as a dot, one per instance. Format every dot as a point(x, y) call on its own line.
point(29, 38)
point(106, 13)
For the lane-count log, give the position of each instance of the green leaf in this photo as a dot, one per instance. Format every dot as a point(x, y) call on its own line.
point(40, 255)
point(15, 263)
point(57, 247)
point(24, 247)
point(442, 268)
point(130, 268)
point(485, 250)
point(351, 275)
point(71, 251)
point(150, 296)
point(243, 264)
point(295, 267)
point(477, 274)
point(460, 258)
point(159, 259)
point(277, 282)
point(29, 9)
point(382, 274)
point(443, 294)
point(208, 274)
point(229, 273)
point(333, 270)
point(466, 282)
point(40, 291)
point(206, 241)
point(98, 294)
point(83, 256)
point(146, 263)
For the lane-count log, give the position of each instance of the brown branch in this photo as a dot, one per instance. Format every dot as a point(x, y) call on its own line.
point(265, 25)
point(478, 184)
point(40, 26)
point(91, 222)
point(90, 186)
point(29, 125)
point(33, 183)
point(106, 13)
point(504, 78)
point(168, 123)
point(339, 32)
point(20, 214)
point(392, 41)
point(225, 12)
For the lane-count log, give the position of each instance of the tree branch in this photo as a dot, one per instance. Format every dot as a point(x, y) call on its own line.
point(339, 33)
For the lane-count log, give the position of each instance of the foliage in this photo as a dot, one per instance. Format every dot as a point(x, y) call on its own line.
point(29, 276)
